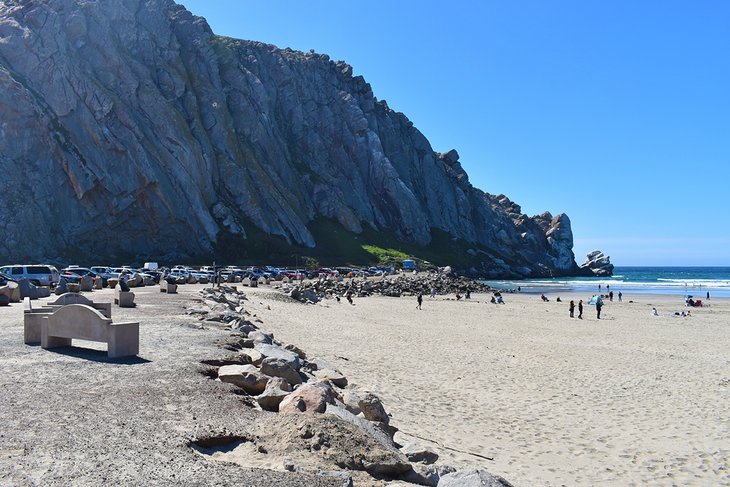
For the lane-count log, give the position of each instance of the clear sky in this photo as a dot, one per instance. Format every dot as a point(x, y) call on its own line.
point(616, 113)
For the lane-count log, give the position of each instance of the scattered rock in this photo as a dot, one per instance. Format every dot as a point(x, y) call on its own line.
point(268, 350)
point(331, 375)
point(472, 478)
point(276, 390)
point(277, 367)
point(419, 454)
point(247, 377)
point(373, 409)
point(309, 399)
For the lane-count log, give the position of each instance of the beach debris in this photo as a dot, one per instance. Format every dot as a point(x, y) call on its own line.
point(419, 454)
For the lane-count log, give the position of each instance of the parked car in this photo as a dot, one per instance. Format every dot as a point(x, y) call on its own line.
point(102, 270)
point(40, 275)
point(74, 274)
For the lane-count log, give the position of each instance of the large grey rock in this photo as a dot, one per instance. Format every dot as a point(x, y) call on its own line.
point(247, 377)
point(309, 398)
point(86, 283)
point(61, 287)
point(395, 463)
point(242, 120)
point(597, 264)
point(276, 390)
point(277, 367)
point(274, 351)
point(472, 478)
point(373, 409)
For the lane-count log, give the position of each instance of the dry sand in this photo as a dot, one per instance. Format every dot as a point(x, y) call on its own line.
point(631, 399)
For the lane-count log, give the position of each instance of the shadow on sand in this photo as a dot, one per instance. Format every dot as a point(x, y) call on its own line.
point(98, 356)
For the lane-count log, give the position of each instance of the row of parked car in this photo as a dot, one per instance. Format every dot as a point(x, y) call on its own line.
point(49, 275)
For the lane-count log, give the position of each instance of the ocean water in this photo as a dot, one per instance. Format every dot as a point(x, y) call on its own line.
point(695, 281)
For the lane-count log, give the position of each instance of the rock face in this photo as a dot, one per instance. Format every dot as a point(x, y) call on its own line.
point(142, 132)
point(597, 264)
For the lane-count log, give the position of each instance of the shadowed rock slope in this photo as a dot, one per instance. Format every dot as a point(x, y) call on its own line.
point(129, 128)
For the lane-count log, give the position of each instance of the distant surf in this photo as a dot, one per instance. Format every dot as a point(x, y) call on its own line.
point(697, 281)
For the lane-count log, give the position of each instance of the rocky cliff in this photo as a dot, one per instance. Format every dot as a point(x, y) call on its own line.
point(130, 128)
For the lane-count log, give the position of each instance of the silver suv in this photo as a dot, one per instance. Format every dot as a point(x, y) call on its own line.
point(40, 275)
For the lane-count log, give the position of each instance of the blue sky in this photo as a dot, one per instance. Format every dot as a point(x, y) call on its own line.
point(616, 113)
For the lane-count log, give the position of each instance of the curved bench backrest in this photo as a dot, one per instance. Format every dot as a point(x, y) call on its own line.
point(71, 298)
point(78, 321)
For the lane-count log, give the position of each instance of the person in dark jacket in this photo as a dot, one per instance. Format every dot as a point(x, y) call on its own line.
point(572, 308)
point(580, 309)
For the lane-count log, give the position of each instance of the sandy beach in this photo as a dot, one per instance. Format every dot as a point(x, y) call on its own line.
point(632, 399)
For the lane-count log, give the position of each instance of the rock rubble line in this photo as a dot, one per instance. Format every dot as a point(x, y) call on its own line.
point(282, 378)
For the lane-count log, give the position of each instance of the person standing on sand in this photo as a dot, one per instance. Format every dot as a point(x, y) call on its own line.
point(610, 296)
point(420, 301)
point(572, 308)
point(599, 305)
point(708, 295)
point(580, 309)
point(620, 297)
point(599, 288)
point(433, 292)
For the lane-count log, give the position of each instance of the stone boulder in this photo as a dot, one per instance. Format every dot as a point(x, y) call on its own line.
point(309, 399)
point(597, 264)
point(276, 390)
point(373, 409)
point(86, 283)
point(247, 377)
point(61, 287)
point(472, 478)
point(331, 375)
point(274, 351)
point(394, 464)
point(277, 367)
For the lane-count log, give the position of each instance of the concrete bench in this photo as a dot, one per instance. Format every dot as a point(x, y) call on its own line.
point(125, 299)
point(166, 287)
point(75, 298)
point(81, 322)
point(33, 320)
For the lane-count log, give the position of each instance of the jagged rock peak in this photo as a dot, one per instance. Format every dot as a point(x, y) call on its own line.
point(598, 264)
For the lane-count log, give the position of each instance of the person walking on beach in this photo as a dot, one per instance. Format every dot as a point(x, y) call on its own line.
point(599, 305)
point(572, 308)
point(433, 292)
point(599, 288)
point(580, 309)
point(620, 296)
point(420, 301)
point(610, 296)
point(708, 295)
point(349, 296)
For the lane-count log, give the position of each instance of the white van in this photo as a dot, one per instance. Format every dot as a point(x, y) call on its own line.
point(40, 275)
point(150, 266)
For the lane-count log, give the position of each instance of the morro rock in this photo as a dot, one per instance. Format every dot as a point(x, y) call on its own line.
point(130, 128)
